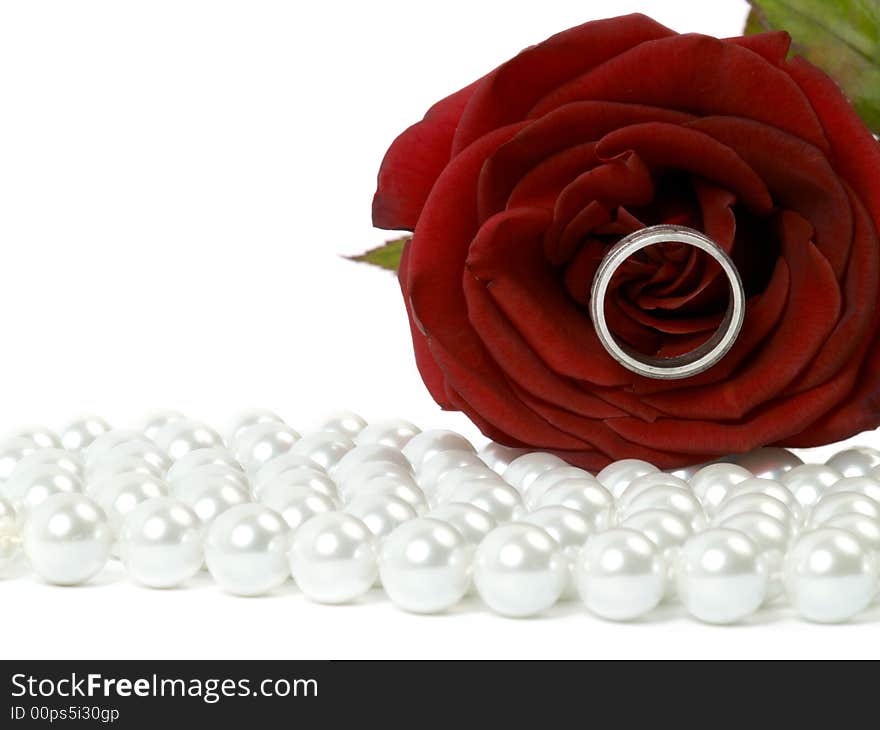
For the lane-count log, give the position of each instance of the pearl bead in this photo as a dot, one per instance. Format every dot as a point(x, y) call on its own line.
point(646, 482)
point(381, 513)
point(586, 496)
point(347, 423)
point(43, 437)
point(10, 537)
point(772, 538)
point(298, 504)
point(722, 576)
point(154, 421)
point(441, 464)
point(246, 550)
point(80, 433)
point(302, 477)
point(198, 458)
point(548, 479)
point(106, 441)
point(119, 495)
point(829, 575)
point(620, 575)
point(449, 482)
point(867, 486)
point(525, 469)
point(472, 522)
point(61, 458)
point(395, 433)
point(769, 462)
point(67, 539)
point(12, 452)
point(325, 448)
point(498, 457)
point(333, 558)
point(672, 498)
point(760, 485)
point(180, 437)
point(712, 483)
point(686, 473)
point(855, 462)
point(867, 530)
point(142, 451)
point(33, 486)
point(426, 444)
point(668, 531)
point(494, 496)
point(251, 417)
point(843, 503)
point(808, 482)
point(401, 487)
point(161, 543)
point(354, 461)
point(259, 444)
point(213, 497)
point(616, 477)
point(520, 570)
point(424, 566)
point(281, 464)
point(570, 529)
point(369, 471)
point(755, 502)
point(111, 465)
point(194, 480)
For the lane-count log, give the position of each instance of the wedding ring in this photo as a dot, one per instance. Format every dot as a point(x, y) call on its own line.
point(690, 363)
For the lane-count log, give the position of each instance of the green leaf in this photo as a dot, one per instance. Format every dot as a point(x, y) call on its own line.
point(386, 256)
point(842, 37)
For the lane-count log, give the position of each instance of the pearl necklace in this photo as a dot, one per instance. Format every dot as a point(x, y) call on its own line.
point(427, 518)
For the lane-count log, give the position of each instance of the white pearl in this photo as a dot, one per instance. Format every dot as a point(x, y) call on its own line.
point(570, 529)
point(772, 538)
point(106, 441)
point(394, 432)
point(620, 575)
point(672, 498)
point(808, 482)
point(760, 485)
point(712, 483)
point(325, 448)
point(426, 444)
point(350, 464)
point(855, 462)
point(281, 464)
point(448, 483)
point(12, 452)
point(10, 537)
point(298, 504)
point(525, 469)
point(201, 457)
point(67, 460)
point(494, 496)
point(43, 437)
point(381, 513)
point(842, 503)
point(586, 496)
point(498, 456)
point(472, 522)
point(80, 433)
point(616, 477)
point(548, 479)
point(111, 465)
point(153, 422)
point(829, 575)
point(303, 477)
point(161, 543)
point(347, 423)
point(769, 462)
point(67, 539)
point(755, 502)
point(195, 479)
point(119, 495)
point(646, 482)
point(722, 576)
point(686, 473)
point(520, 570)
point(259, 444)
point(246, 550)
point(367, 472)
point(668, 531)
point(868, 486)
point(424, 566)
point(333, 558)
point(28, 488)
point(141, 450)
point(402, 487)
point(251, 417)
point(435, 468)
point(180, 437)
point(213, 497)
point(866, 529)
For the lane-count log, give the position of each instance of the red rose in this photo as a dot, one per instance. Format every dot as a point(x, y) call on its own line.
point(516, 186)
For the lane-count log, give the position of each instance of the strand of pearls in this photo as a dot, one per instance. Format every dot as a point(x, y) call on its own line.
point(421, 514)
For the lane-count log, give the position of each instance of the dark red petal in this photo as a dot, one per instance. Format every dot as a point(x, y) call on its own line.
point(773, 45)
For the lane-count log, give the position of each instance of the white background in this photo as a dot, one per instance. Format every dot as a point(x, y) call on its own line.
point(178, 180)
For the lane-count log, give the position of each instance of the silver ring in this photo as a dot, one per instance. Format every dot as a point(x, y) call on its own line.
point(697, 360)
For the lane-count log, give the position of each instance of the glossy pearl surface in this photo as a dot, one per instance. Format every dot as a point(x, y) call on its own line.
point(620, 574)
point(43, 437)
point(180, 437)
point(570, 529)
point(672, 498)
point(868, 486)
point(299, 504)
point(842, 503)
point(772, 538)
point(67, 460)
point(198, 458)
point(140, 450)
point(10, 536)
point(435, 468)
point(472, 522)
point(106, 441)
point(30, 487)
point(295, 478)
point(154, 421)
point(769, 462)
point(213, 473)
point(161, 543)
point(80, 433)
point(12, 452)
point(119, 495)
point(722, 576)
point(333, 558)
point(259, 444)
point(67, 539)
point(808, 482)
point(281, 464)
point(246, 550)
point(712, 483)
point(325, 448)
point(213, 497)
point(646, 482)
point(855, 462)
point(864, 528)
point(498, 456)
point(381, 513)
point(450, 480)
point(354, 461)
point(616, 477)
point(494, 496)
point(393, 432)
point(348, 423)
point(427, 444)
point(549, 478)
point(525, 469)
point(520, 570)
point(424, 566)
point(251, 417)
point(111, 465)
point(586, 496)
point(771, 487)
point(755, 502)
point(668, 531)
point(403, 488)
point(829, 575)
